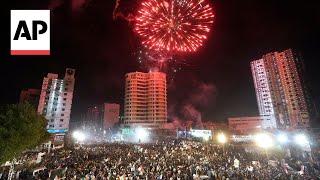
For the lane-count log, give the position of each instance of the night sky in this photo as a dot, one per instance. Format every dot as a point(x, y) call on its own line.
point(215, 81)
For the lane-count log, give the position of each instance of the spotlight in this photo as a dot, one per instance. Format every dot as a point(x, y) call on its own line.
point(301, 139)
point(206, 138)
point(221, 138)
point(142, 134)
point(264, 140)
point(282, 138)
point(79, 136)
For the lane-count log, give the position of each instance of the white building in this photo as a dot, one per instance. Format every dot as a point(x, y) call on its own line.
point(56, 100)
point(145, 99)
point(263, 93)
point(281, 95)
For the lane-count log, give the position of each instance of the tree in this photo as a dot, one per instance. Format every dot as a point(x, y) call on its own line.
point(21, 128)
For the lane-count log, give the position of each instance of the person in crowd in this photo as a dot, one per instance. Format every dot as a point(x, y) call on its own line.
point(168, 160)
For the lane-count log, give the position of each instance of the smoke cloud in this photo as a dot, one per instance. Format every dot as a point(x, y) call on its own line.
point(190, 113)
point(53, 4)
point(77, 5)
point(197, 100)
point(203, 95)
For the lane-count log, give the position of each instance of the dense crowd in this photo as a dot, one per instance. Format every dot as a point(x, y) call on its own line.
point(170, 160)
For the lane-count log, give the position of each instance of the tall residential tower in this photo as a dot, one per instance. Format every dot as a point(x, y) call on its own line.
point(280, 91)
point(56, 101)
point(145, 99)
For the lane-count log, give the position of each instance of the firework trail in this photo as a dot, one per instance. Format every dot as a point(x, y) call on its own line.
point(116, 9)
point(118, 14)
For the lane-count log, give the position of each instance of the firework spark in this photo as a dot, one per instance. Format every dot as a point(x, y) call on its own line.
point(174, 25)
point(118, 14)
point(115, 9)
point(164, 62)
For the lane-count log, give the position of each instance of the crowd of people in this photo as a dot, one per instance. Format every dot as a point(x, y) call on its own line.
point(169, 159)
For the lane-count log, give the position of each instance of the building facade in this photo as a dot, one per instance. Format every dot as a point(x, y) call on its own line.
point(31, 96)
point(111, 115)
point(145, 99)
point(245, 125)
point(56, 100)
point(281, 96)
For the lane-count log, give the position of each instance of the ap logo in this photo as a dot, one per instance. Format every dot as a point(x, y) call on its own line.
point(30, 32)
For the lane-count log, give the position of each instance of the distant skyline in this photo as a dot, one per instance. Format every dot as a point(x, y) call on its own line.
point(87, 38)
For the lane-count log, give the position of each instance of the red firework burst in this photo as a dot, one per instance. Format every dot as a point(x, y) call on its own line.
point(174, 25)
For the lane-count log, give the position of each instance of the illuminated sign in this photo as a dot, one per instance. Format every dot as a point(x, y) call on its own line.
point(201, 133)
point(55, 131)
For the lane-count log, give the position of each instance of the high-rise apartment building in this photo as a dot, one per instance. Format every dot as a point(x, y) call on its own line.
point(56, 100)
point(31, 96)
point(280, 91)
point(145, 99)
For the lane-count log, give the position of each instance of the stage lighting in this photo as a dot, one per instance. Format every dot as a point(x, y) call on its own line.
point(282, 138)
point(301, 139)
point(79, 136)
point(264, 140)
point(142, 134)
point(221, 138)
